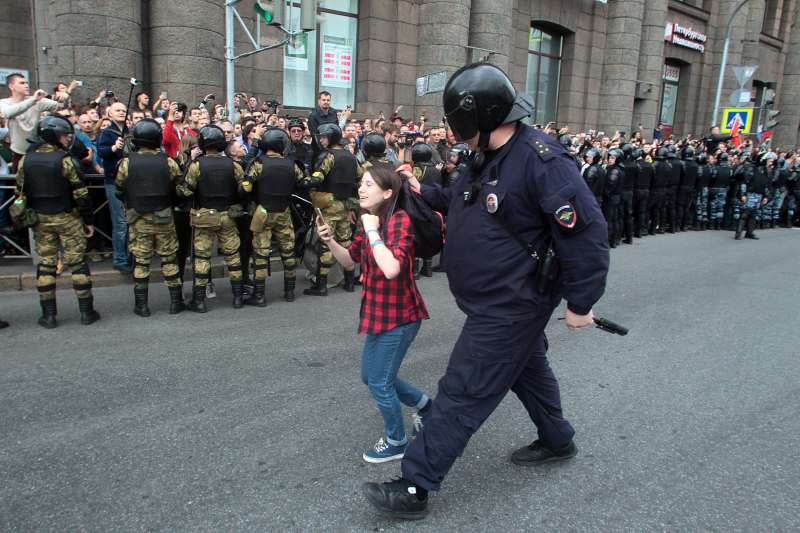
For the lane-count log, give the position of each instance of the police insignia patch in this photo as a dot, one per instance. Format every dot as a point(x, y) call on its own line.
point(566, 216)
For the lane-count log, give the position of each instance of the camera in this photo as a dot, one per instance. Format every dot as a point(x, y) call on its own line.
point(273, 103)
point(410, 137)
point(109, 94)
point(183, 108)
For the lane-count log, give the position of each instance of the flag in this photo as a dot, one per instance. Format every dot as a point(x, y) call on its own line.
point(735, 132)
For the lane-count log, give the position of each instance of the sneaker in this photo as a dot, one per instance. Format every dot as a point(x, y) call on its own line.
point(211, 291)
point(420, 418)
point(398, 498)
point(536, 453)
point(383, 452)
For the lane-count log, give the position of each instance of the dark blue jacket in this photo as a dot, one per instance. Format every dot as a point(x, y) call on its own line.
point(105, 140)
point(537, 189)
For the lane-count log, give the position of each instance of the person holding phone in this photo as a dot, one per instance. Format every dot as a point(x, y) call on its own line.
point(391, 306)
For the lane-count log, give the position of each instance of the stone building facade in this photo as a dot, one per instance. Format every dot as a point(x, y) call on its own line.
point(606, 66)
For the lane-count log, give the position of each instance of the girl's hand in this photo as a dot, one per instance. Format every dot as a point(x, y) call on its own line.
point(324, 232)
point(370, 222)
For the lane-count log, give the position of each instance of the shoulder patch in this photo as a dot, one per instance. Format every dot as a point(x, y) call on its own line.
point(542, 149)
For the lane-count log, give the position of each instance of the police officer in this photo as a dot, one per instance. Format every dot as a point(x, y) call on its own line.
point(373, 147)
point(612, 199)
point(777, 185)
point(594, 174)
point(641, 193)
point(428, 174)
point(629, 177)
point(335, 178)
point(686, 184)
point(146, 181)
point(662, 172)
point(216, 183)
point(751, 187)
point(671, 190)
point(456, 164)
point(502, 345)
point(792, 193)
point(701, 192)
point(720, 181)
point(274, 179)
point(51, 185)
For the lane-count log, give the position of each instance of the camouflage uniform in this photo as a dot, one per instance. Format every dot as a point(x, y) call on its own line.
point(151, 232)
point(65, 229)
point(275, 224)
point(227, 234)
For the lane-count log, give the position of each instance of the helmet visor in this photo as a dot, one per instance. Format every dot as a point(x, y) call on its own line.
point(462, 119)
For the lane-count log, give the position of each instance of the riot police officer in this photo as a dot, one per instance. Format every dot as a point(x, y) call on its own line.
point(686, 184)
point(429, 174)
point(777, 187)
point(719, 184)
point(146, 182)
point(58, 205)
point(456, 164)
point(216, 183)
point(274, 180)
point(751, 188)
point(612, 198)
point(335, 178)
point(671, 191)
point(373, 147)
point(629, 177)
point(594, 174)
point(792, 193)
point(662, 172)
point(641, 193)
point(522, 187)
point(701, 191)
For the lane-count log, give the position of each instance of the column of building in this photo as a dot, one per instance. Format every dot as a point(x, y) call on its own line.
point(490, 26)
point(788, 130)
point(646, 109)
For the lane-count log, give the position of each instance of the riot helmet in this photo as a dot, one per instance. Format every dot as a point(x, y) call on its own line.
point(421, 153)
point(147, 134)
point(637, 154)
point(460, 151)
point(672, 151)
point(617, 154)
point(627, 151)
point(662, 153)
point(593, 155)
point(566, 141)
point(373, 145)
point(274, 140)
point(702, 158)
point(687, 152)
point(51, 128)
point(212, 138)
point(330, 131)
point(723, 158)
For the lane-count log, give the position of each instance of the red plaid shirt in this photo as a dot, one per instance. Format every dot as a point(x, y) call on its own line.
point(388, 303)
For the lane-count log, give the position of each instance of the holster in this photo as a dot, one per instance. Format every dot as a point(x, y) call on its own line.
point(547, 271)
point(23, 216)
point(205, 218)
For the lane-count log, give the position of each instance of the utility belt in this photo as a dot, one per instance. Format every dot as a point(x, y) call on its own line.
point(206, 218)
point(162, 216)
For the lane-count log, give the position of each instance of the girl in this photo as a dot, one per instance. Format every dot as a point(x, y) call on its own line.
point(391, 306)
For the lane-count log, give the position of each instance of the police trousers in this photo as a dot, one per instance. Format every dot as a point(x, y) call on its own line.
point(490, 358)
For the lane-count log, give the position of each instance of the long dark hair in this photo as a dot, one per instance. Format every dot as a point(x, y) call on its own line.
point(387, 178)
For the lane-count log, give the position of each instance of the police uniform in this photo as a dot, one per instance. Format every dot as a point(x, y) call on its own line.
point(701, 192)
point(662, 171)
point(53, 187)
point(336, 176)
point(720, 182)
point(671, 193)
point(629, 177)
point(275, 179)
point(752, 186)
point(146, 182)
point(612, 200)
point(792, 193)
point(214, 182)
point(641, 196)
point(686, 193)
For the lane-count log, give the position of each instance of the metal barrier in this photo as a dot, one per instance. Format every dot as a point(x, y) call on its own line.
point(8, 182)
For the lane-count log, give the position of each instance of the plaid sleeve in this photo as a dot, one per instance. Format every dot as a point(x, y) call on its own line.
point(400, 238)
point(355, 247)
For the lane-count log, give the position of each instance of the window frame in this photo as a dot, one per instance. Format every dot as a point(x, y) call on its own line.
point(539, 54)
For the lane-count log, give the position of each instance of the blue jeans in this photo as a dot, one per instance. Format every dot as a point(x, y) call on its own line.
point(119, 227)
point(380, 361)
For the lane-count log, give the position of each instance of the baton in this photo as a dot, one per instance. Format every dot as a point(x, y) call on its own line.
point(608, 325)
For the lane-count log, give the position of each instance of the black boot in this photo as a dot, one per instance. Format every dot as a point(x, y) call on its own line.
point(751, 225)
point(140, 306)
point(198, 303)
point(426, 268)
point(237, 287)
point(739, 228)
point(259, 297)
point(320, 288)
point(48, 318)
point(398, 499)
point(88, 314)
point(288, 290)
point(176, 304)
point(349, 281)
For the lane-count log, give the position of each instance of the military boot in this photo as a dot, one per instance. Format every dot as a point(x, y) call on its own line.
point(751, 225)
point(427, 268)
point(88, 314)
point(349, 284)
point(288, 290)
point(176, 304)
point(198, 303)
point(237, 287)
point(258, 298)
point(48, 318)
point(140, 302)
point(739, 228)
point(320, 288)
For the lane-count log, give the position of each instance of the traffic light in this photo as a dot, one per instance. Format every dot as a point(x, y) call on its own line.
point(772, 114)
point(308, 15)
point(271, 10)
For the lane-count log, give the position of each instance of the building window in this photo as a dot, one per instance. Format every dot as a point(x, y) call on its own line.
point(772, 16)
point(544, 71)
point(669, 93)
point(323, 60)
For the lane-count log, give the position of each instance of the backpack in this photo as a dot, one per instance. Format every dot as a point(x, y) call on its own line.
point(428, 224)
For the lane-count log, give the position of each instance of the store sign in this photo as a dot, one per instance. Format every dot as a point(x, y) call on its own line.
point(337, 62)
point(683, 36)
point(672, 73)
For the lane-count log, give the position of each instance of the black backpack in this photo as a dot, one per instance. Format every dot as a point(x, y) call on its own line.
point(428, 224)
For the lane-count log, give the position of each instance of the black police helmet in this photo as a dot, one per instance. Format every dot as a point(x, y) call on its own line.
point(296, 123)
point(638, 153)
point(421, 153)
point(687, 152)
point(672, 151)
point(147, 134)
point(617, 154)
point(722, 158)
point(702, 158)
point(479, 97)
point(461, 150)
point(331, 131)
point(212, 137)
point(593, 155)
point(565, 141)
point(662, 152)
point(373, 145)
point(51, 128)
point(274, 139)
point(627, 150)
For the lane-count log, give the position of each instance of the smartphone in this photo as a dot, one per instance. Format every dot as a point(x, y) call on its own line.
point(79, 83)
point(320, 218)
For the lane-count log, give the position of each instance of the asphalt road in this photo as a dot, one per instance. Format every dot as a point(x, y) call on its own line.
point(255, 420)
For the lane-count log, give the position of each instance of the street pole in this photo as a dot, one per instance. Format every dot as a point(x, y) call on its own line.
point(230, 65)
point(724, 63)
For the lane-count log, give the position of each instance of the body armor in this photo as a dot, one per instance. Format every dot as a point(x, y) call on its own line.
point(47, 190)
